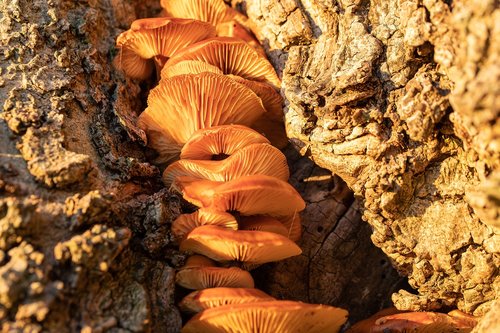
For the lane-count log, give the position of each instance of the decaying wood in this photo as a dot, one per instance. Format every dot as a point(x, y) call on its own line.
point(395, 97)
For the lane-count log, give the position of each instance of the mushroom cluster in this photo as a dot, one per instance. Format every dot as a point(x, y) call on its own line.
point(216, 118)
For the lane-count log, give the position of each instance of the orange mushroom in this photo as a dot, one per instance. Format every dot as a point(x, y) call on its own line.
point(261, 159)
point(157, 39)
point(185, 223)
point(422, 322)
point(268, 317)
point(293, 225)
point(232, 56)
point(183, 104)
point(251, 247)
point(212, 11)
point(263, 223)
point(189, 67)
point(200, 272)
point(248, 195)
point(213, 297)
point(219, 142)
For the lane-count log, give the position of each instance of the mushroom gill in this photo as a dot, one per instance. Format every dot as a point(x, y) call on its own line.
point(158, 39)
point(268, 317)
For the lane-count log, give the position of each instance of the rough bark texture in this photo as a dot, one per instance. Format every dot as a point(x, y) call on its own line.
point(401, 100)
point(84, 220)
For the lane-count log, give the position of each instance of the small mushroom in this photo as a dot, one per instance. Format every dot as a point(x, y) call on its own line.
point(157, 39)
point(212, 11)
point(219, 142)
point(255, 159)
point(268, 317)
point(293, 225)
point(211, 277)
point(248, 195)
point(189, 67)
point(263, 223)
point(213, 297)
point(250, 247)
point(183, 104)
point(232, 56)
point(185, 223)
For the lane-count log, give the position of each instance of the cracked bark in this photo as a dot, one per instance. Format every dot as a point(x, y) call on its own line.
point(377, 92)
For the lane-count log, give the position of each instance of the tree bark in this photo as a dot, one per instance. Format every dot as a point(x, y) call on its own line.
point(387, 102)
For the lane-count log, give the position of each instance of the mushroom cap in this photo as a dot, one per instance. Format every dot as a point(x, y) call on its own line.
point(185, 223)
point(232, 56)
point(212, 297)
point(249, 195)
point(152, 37)
point(163, 36)
point(255, 159)
point(197, 260)
point(189, 67)
point(268, 317)
point(211, 277)
point(272, 100)
point(133, 65)
point(252, 247)
point(219, 140)
point(263, 223)
point(183, 104)
point(213, 11)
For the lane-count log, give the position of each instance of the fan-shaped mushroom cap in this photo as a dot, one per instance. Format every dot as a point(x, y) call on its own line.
point(133, 65)
point(209, 143)
point(158, 37)
point(213, 297)
point(249, 195)
point(232, 56)
point(183, 104)
point(185, 223)
point(189, 67)
point(268, 317)
point(213, 11)
point(272, 100)
point(263, 223)
point(211, 277)
point(252, 247)
point(197, 260)
point(256, 159)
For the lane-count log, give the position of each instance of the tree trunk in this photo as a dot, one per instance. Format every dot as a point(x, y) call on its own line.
point(396, 98)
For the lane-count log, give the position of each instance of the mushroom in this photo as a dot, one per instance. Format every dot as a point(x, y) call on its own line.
point(190, 67)
point(219, 142)
point(268, 317)
point(157, 39)
point(185, 223)
point(250, 247)
point(260, 158)
point(232, 56)
point(263, 223)
point(213, 11)
point(200, 272)
point(248, 195)
point(183, 104)
point(212, 297)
